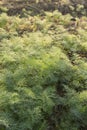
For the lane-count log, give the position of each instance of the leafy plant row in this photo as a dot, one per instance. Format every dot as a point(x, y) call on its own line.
point(43, 73)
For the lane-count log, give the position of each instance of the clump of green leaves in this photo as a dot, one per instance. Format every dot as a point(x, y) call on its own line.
point(43, 74)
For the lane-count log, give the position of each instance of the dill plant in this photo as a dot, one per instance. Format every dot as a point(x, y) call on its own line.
point(43, 80)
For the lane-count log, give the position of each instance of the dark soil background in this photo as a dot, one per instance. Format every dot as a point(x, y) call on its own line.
point(74, 7)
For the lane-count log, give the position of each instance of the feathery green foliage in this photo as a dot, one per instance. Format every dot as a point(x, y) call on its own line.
point(43, 73)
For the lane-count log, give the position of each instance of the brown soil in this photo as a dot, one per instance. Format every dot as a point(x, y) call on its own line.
point(16, 6)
